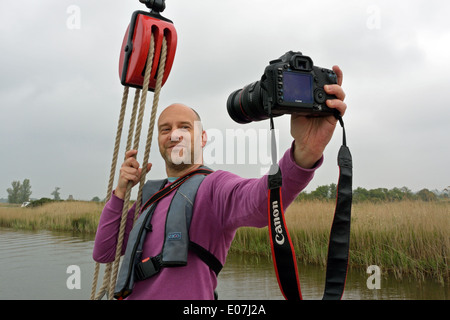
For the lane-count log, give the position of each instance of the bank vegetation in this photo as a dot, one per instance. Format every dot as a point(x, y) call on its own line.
point(403, 237)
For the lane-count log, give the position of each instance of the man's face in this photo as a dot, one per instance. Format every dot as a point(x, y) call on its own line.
point(180, 136)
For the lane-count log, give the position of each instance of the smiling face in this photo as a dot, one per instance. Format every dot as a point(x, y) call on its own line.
point(180, 138)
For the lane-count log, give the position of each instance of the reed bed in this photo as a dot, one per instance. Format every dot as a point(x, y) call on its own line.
point(73, 216)
point(406, 237)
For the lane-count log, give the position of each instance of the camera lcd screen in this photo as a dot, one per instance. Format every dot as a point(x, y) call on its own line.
point(297, 87)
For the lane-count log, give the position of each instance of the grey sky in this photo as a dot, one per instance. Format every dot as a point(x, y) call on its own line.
point(60, 92)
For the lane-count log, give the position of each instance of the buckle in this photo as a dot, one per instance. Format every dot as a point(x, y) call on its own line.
point(147, 268)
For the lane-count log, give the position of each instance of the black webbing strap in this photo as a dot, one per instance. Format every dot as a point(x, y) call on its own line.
point(339, 243)
point(207, 257)
point(150, 266)
point(283, 254)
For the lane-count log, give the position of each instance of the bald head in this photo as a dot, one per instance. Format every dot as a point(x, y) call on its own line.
point(182, 108)
point(181, 137)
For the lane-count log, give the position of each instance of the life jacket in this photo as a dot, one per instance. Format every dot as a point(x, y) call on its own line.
point(176, 242)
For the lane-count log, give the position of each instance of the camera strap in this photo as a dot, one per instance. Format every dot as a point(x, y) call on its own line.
point(283, 253)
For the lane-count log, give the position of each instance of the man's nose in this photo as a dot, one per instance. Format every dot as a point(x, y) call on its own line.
point(176, 135)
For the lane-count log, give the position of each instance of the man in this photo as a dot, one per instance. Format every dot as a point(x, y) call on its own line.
point(224, 202)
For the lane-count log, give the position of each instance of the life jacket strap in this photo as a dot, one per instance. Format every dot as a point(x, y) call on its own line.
point(148, 267)
point(207, 257)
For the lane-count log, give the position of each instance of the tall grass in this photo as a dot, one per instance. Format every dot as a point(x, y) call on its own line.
point(407, 237)
point(73, 216)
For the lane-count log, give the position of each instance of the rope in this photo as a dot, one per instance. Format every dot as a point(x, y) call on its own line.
point(107, 273)
point(117, 143)
point(111, 271)
point(130, 184)
point(112, 171)
point(162, 66)
point(105, 284)
point(133, 119)
point(95, 280)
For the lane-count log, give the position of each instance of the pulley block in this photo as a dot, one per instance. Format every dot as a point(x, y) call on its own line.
point(136, 44)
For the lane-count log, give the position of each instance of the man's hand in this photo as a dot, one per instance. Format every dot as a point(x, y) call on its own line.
point(311, 134)
point(129, 171)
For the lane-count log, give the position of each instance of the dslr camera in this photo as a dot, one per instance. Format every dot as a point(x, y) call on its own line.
point(290, 84)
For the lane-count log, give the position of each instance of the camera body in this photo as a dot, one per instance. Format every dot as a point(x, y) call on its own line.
point(290, 84)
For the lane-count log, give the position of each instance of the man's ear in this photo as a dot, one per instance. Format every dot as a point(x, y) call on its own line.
point(204, 138)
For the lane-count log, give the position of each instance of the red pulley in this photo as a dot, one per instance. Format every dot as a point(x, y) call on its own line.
point(135, 46)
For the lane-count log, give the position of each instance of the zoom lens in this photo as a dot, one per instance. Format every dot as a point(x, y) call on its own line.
point(245, 105)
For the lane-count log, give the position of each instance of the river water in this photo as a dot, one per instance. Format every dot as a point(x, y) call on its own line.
point(39, 265)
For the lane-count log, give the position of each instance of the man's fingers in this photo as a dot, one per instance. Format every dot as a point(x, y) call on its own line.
point(339, 74)
point(130, 170)
point(341, 106)
point(335, 90)
point(130, 173)
point(131, 162)
point(130, 153)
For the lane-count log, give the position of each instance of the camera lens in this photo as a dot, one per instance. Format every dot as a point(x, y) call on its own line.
point(245, 105)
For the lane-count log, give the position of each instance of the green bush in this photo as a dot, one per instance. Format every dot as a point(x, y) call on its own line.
point(40, 202)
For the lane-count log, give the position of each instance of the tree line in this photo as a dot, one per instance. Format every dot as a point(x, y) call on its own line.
point(328, 192)
point(20, 192)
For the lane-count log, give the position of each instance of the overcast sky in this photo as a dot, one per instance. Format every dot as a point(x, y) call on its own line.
point(60, 92)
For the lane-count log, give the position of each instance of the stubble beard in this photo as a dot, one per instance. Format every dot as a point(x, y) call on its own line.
point(178, 163)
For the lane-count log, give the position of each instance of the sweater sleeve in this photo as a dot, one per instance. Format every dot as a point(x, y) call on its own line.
point(243, 202)
point(107, 235)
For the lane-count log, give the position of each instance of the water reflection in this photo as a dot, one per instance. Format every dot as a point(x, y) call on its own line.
point(248, 277)
point(33, 265)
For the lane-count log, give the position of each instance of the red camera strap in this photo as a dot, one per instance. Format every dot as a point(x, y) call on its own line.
point(283, 253)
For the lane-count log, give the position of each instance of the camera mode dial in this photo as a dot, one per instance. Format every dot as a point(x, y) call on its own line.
point(319, 95)
point(330, 74)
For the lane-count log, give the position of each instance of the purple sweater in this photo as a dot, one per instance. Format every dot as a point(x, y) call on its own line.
point(224, 203)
